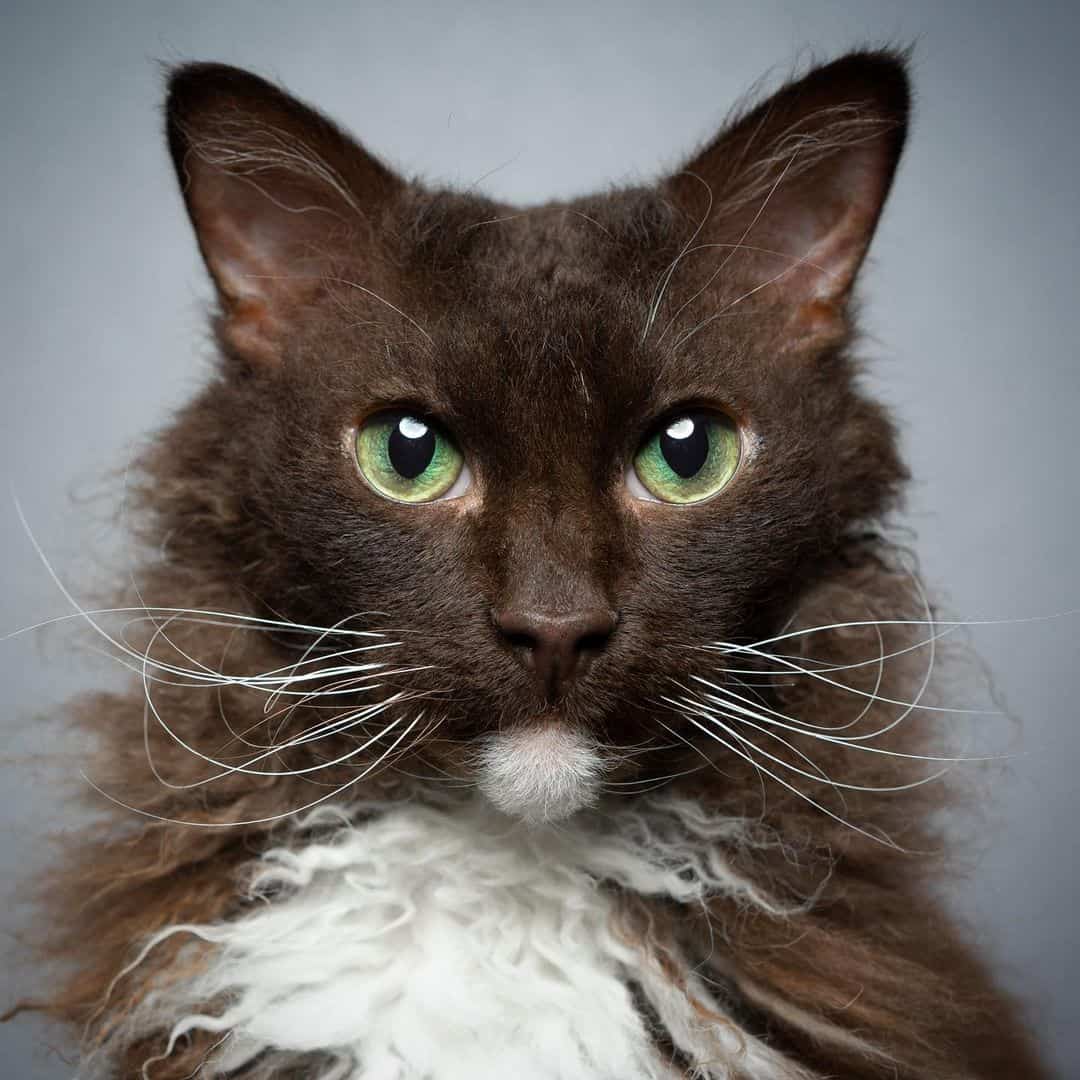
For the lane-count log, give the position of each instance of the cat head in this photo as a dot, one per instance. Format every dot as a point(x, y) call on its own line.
point(554, 450)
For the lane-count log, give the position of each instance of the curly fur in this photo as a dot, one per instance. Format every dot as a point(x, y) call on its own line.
point(401, 942)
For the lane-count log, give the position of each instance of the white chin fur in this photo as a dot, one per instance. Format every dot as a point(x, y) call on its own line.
point(540, 774)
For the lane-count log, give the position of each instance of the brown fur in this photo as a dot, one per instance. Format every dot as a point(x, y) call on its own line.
point(522, 332)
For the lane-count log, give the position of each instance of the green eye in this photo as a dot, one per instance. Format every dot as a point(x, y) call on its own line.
point(689, 457)
point(407, 458)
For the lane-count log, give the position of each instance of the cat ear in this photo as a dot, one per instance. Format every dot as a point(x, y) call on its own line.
point(795, 187)
point(275, 192)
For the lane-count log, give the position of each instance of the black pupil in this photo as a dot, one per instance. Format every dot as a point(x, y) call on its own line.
point(411, 453)
point(688, 449)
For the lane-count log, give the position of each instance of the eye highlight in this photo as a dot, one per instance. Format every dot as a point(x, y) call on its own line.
point(409, 458)
point(691, 456)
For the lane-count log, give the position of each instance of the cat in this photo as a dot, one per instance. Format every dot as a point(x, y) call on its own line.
point(527, 684)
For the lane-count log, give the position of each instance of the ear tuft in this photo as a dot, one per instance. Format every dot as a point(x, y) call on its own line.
point(274, 190)
point(799, 181)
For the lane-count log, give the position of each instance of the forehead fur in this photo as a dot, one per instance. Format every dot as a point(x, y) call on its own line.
point(544, 317)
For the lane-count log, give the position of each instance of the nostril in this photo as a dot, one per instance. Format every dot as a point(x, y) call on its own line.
point(518, 629)
point(518, 639)
point(592, 630)
point(593, 642)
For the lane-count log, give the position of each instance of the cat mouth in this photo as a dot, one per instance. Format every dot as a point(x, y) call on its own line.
point(541, 773)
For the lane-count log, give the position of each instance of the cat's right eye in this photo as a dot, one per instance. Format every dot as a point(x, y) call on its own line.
point(409, 458)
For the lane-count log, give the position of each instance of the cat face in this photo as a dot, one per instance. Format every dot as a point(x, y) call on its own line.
point(554, 451)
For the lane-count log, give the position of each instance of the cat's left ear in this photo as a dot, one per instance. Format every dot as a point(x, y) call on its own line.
point(795, 187)
point(276, 193)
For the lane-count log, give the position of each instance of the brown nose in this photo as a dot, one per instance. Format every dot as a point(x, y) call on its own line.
point(556, 648)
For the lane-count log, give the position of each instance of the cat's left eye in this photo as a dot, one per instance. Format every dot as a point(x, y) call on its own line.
point(409, 458)
point(688, 458)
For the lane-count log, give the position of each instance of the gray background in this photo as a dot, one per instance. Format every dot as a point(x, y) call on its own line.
point(971, 300)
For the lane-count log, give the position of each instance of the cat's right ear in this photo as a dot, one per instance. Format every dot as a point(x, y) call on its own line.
point(276, 193)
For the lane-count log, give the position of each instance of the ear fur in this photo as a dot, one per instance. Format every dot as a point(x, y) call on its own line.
point(797, 184)
point(274, 191)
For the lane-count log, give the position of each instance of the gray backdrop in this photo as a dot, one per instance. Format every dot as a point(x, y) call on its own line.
point(971, 300)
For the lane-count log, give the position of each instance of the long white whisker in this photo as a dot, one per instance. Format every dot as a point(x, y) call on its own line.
point(805, 727)
point(845, 741)
point(148, 613)
point(909, 622)
point(794, 790)
point(821, 779)
point(269, 677)
point(256, 821)
point(321, 730)
point(268, 682)
point(828, 666)
point(832, 729)
point(761, 775)
point(364, 673)
point(713, 714)
point(225, 768)
point(793, 668)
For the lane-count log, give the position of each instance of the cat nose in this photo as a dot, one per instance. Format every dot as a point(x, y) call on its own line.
point(556, 648)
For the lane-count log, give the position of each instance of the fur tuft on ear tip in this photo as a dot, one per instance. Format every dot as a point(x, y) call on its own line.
point(880, 75)
point(876, 80)
point(208, 78)
point(204, 95)
point(201, 83)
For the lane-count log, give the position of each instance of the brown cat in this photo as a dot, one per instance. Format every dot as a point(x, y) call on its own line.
point(525, 685)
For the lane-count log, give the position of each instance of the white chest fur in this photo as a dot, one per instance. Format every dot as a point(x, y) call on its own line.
point(455, 944)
